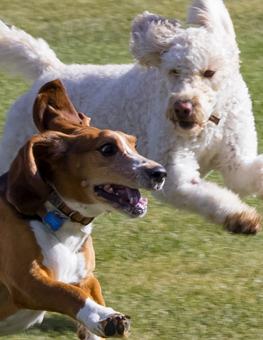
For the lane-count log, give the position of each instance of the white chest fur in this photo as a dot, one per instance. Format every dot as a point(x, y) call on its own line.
point(60, 250)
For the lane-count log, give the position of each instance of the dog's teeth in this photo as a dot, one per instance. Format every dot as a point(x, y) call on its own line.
point(108, 188)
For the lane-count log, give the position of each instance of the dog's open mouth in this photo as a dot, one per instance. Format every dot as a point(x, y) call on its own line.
point(186, 124)
point(128, 200)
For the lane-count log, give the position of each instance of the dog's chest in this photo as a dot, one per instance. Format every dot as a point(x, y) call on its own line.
point(62, 258)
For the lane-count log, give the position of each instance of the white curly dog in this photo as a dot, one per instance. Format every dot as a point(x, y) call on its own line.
point(185, 100)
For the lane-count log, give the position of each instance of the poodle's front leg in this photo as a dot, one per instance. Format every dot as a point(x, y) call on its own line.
point(185, 189)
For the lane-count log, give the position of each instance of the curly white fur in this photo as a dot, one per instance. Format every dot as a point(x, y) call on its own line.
point(140, 100)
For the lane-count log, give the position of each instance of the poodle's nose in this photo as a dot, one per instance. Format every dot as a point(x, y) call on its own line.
point(183, 109)
point(157, 174)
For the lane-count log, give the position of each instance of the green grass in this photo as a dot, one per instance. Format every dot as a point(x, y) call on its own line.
point(176, 275)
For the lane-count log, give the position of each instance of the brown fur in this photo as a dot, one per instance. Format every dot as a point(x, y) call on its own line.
point(69, 159)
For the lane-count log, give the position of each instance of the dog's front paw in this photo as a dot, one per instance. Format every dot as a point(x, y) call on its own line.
point(247, 222)
point(102, 321)
point(116, 325)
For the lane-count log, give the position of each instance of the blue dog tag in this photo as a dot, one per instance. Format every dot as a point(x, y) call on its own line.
point(54, 219)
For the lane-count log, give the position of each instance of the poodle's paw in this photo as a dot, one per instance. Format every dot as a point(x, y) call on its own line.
point(116, 325)
point(247, 222)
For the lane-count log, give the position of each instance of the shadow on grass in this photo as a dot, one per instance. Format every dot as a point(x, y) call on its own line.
point(56, 323)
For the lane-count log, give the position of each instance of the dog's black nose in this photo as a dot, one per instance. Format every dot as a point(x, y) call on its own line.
point(157, 174)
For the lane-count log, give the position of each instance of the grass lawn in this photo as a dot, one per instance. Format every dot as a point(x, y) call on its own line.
point(176, 275)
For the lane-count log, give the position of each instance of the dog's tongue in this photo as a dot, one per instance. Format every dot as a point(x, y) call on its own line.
point(128, 196)
point(131, 195)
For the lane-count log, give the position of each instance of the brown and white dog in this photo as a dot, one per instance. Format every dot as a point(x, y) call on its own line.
point(60, 180)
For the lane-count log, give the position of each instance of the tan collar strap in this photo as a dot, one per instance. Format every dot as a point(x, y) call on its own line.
point(73, 215)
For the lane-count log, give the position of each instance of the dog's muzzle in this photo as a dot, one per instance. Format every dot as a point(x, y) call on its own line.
point(183, 113)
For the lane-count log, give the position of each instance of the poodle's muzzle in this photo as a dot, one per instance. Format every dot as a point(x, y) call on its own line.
point(188, 116)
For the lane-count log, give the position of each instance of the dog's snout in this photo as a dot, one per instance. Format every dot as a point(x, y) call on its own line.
point(157, 174)
point(183, 109)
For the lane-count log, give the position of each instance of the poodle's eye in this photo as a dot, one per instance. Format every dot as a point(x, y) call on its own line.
point(108, 150)
point(209, 73)
point(175, 72)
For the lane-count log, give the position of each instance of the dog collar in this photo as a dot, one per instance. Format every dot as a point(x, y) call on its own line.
point(55, 219)
point(214, 119)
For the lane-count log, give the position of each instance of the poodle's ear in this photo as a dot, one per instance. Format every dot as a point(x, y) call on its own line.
point(53, 110)
point(152, 36)
point(26, 189)
point(214, 16)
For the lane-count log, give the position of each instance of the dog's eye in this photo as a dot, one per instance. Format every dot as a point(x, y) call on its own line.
point(209, 73)
point(108, 150)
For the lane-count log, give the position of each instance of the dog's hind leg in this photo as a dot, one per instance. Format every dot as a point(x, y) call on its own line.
point(84, 334)
point(245, 176)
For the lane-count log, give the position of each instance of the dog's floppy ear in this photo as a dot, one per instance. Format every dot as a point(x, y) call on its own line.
point(26, 189)
point(214, 16)
point(151, 36)
point(53, 110)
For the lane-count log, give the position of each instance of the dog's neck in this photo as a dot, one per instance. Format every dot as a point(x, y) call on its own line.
point(71, 234)
point(73, 214)
point(70, 226)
